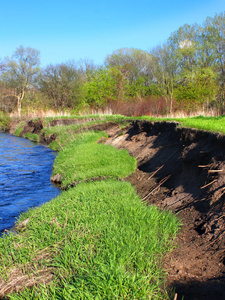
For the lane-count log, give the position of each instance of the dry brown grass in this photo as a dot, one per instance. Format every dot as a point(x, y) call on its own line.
point(25, 277)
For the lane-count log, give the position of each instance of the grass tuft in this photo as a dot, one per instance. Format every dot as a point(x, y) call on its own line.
point(32, 137)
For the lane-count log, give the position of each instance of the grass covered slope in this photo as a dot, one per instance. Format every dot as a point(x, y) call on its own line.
point(214, 124)
point(94, 241)
point(83, 158)
point(100, 241)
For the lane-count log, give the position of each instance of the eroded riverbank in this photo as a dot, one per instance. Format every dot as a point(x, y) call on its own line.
point(182, 170)
point(96, 239)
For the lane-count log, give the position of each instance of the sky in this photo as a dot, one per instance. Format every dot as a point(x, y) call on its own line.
point(92, 29)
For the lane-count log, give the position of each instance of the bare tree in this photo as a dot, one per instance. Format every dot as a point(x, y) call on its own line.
point(61, 84)
point(21, 72)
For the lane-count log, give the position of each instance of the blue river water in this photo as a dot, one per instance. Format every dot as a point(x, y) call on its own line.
point(25, 171)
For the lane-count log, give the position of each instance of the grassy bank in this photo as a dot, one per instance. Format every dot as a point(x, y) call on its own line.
point(213, 124)
point(94, 241)
point(83, 159)
point(98, 240)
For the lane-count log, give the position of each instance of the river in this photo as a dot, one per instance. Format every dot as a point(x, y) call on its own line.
point(25, 171)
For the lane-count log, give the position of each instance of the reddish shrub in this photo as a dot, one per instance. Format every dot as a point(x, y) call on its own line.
point(149, 106)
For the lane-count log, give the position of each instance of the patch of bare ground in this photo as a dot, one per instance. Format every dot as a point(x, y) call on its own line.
point(183, 170)
point(58, 122)
point(22, 277)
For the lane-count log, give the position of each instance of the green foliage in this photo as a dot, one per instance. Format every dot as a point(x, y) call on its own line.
point(4, 121)
point(138, 88)
point(197, 88)
point(101, 87)
point(132, 63)
point(134, 68)
point(188, 67)
point(164, 69)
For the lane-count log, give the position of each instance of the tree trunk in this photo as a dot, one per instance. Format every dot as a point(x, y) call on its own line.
point(19, 102)
point(171, 105)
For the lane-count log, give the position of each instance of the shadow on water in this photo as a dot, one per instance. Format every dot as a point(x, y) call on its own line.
point(25, 171)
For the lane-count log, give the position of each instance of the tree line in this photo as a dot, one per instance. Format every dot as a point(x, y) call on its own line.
point(187, 72)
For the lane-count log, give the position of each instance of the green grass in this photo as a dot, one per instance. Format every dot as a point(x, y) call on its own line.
point(102, 242)
point(4, 121)
point(65, 133)
point(32, 137)
point(213, 124)
point(19, 128)
point(98, 239)
point(84, 158)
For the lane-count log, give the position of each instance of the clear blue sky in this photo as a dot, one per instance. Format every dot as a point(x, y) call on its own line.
point(70, 30)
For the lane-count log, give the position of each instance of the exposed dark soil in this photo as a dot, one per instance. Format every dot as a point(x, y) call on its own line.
point(182, 170)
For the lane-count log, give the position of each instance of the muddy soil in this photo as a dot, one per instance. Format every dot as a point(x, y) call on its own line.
point(183, 170)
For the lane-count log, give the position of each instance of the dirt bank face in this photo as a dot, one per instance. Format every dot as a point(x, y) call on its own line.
point(32, 127)
point(183, 170)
